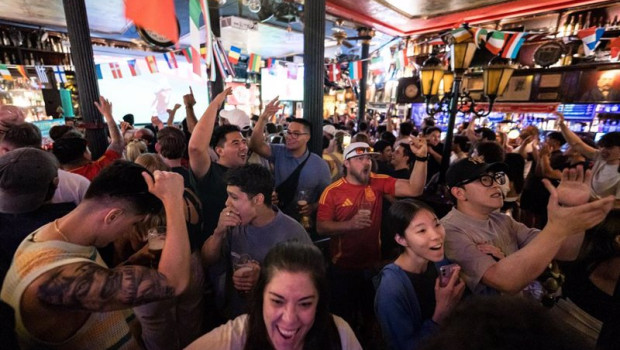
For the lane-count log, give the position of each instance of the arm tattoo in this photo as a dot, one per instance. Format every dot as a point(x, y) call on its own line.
point(87, 286)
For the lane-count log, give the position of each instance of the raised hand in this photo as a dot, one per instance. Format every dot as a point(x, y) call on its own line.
point(271, 108)
point(157, 122)
point(574, 188)
point(418, 146)
point(165, 185)
point(104, 106)
point(188, 99)
point(560, 117)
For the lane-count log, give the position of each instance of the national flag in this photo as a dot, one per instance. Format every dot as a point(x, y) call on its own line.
point(254, 63)
point(614, 45)
point(460, 35)
point(404, 58)
point(133, 68)
point(270, 62)
point(98, 71)
point(208, 35)
point(5, 73)
point(116, 70)
point(590, 38)
point(436, 41)
point(480, 35)
point(333, 72)
point(355, 70)
point(152, 63)
point(158, 16)
point(59, 74)
point(22, 70)
point(194, 35)
point(234, 54)
point(513, 44)
point(42, 74)
point(496, 41)
point(187, 52)
point(171, 60)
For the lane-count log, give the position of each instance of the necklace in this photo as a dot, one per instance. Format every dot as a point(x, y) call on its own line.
point(60, 232)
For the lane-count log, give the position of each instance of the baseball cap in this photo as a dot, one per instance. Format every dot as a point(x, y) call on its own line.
point(25, 178)
point(469, 169)
point(329, 129)
point(236, 117)
point(357, 149)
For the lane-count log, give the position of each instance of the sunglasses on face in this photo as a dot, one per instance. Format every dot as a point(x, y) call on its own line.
point(487, 179)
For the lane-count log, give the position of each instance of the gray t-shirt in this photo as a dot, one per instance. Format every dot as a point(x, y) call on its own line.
point(605, 178)
point(464, 233)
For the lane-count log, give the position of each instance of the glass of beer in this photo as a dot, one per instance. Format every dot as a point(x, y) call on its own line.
point(365, 208)
point(242, 264)
point(157, 238)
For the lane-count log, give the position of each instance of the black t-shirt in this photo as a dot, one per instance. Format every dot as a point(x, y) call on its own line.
point(424, 286)
point(433, 166)
point(185, 173)
point(401, 174)
point(211, 191)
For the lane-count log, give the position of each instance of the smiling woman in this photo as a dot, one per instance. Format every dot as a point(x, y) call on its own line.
point(289, 309)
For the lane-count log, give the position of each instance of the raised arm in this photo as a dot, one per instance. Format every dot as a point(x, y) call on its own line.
point(574, 141)
point(190, 117)
point(105, 108)
point(415, 185)
point(212, 248)
point(257, 140)
point(198, 147)
point(171, 114)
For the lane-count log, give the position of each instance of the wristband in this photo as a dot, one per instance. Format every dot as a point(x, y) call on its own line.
point(421, 159)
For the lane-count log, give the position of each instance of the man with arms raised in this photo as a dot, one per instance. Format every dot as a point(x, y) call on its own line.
point(498, 254)
point(64, 295)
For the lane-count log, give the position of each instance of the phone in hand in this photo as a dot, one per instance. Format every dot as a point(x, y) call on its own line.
point(445, 273)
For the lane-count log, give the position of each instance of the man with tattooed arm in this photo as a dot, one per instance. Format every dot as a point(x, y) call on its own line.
point(63, 294)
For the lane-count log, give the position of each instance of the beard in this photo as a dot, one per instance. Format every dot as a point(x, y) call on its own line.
point(362, 177)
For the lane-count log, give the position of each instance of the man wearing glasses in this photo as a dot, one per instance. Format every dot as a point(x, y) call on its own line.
point(498, 254)
point(314, 174)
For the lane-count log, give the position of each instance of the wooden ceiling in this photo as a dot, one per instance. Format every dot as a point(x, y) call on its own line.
point(406, 18)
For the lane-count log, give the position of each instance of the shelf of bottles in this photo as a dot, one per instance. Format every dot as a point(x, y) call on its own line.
point(24, 94)
point(22, 46)
point(578, 21)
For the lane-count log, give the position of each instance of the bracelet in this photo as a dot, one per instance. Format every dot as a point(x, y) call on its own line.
point(421, 159)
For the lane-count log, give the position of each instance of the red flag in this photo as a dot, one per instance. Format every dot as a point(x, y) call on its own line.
point(22, 70)
point(116, 70)
point(150, 61)
point(614, 45)
point(158, 16)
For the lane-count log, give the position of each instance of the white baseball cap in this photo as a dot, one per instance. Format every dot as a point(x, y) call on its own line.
point(357, 149)
point(236, 117)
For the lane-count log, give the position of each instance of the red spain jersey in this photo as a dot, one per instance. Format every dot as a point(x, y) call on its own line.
point(91, 169)
point(340, 202)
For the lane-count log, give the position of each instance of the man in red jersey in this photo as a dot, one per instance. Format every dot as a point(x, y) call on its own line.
point(350, 212)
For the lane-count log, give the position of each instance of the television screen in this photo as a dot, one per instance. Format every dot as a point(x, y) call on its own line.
point(285, 81)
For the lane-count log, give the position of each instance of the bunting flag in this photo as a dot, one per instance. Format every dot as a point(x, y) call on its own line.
point(133, 68)
point(355, 70)
point(171, 60)
point(98, 71)
point(404, 58)
point(22, 70)
point(480, 35)
point(254, 63)
point(496, 41)
point(203, 52)
point(270, 62)
point(513, 44)
point(59, 74)
point(5, 73)
point(152, 63)
point(194, 35)
point(158, 16)
point(42, 74)
point(224, 58)
point(187, 52)
point(234, 54)
point(614, 45)
point(333, 73)
point(590, 38)
point(208, 35)
point(116, 70)
point(460, 35)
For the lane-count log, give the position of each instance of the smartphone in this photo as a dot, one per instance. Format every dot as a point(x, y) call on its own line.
point(445, 273)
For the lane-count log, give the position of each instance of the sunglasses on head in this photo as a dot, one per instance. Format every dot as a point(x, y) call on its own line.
point(360, 151)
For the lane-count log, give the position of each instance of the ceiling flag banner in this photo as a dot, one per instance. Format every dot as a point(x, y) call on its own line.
point(234, 54)
point(194, 35)
point(187, 52)
point(460, 34)
point(59, 73)
point(133, 68)
point(98, 71)
point(116, 70)
point(152, 63)
point(355, 70)
point(513, 44)
point(158, 16)
point(171, 60)
point(22, 70)
point(333, 73)
point(42, 74)
point(5, 73)
point(496, 42)
point(480, 35)
point(590, 38)
point(204, 6)
point(254, 64)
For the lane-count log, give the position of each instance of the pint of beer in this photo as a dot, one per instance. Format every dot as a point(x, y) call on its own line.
point(157, 238)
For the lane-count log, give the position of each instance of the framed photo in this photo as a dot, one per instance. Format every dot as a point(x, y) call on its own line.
point(601, 86)
point(519, 89)
point(550, 80)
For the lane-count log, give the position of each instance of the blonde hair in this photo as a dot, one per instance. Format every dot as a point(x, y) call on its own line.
point(152, 162)
point(134, 149)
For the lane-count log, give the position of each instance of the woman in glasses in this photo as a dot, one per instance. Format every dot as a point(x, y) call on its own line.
point(411, 302)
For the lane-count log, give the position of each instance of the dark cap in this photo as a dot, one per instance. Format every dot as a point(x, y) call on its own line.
point(470, 169)
point(26, 175)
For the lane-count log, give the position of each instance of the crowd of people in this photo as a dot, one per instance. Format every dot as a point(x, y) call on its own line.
point(269, 245)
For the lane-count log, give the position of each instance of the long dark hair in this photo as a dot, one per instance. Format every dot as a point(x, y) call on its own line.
point(401, 213)
point(294, 257)
point(600, 242)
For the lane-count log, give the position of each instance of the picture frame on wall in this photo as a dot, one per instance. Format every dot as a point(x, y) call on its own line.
point(550, 80)
point(601, 86)
point(519, 89)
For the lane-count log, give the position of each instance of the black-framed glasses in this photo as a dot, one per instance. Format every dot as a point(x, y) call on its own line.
point(294, 134)
point(487, 179)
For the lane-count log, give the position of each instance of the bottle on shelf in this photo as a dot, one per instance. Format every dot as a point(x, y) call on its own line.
point(614, 24)
point(5, 58)
point(578, 25)
point(586, 23)
point(562, 29)
point(569, 28)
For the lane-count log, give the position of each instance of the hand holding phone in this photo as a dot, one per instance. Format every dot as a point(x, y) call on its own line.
point(445, 273)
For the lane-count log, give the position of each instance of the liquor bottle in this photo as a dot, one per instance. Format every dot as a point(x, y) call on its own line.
point(578, 25)
point(6, 59)
point(586, 24)
point(571, 25)
point(32, 62)
point(562, 29)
